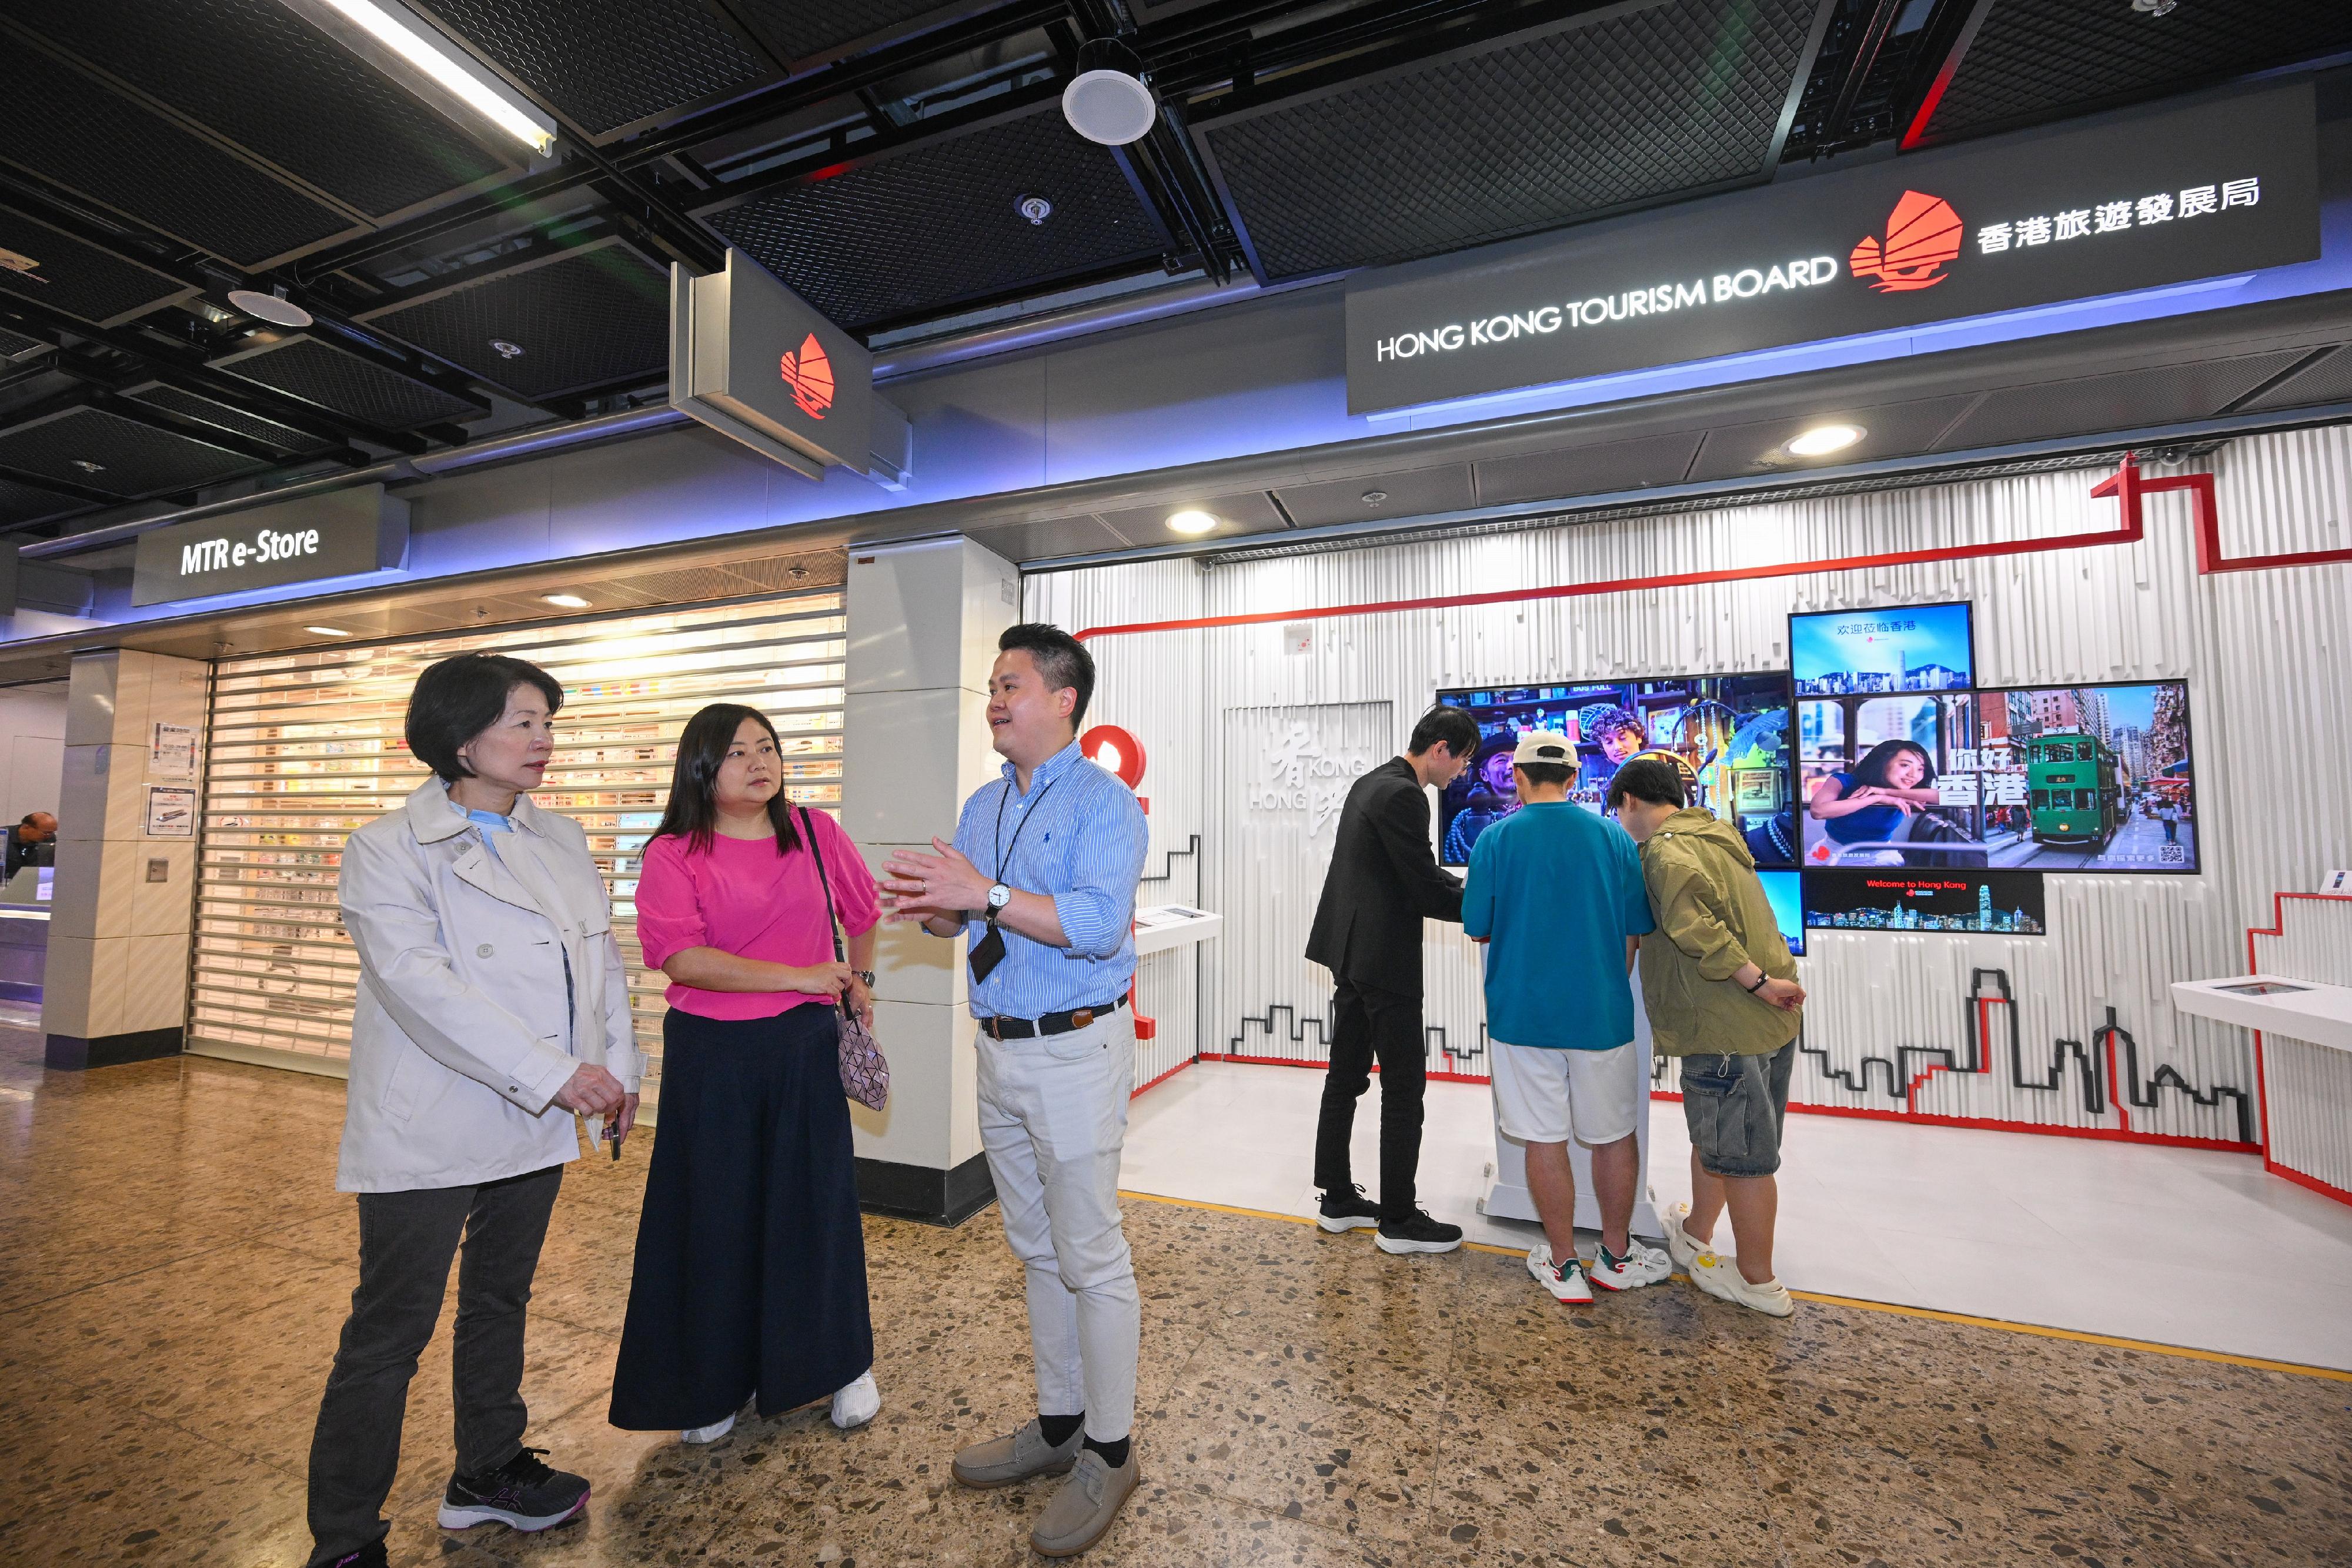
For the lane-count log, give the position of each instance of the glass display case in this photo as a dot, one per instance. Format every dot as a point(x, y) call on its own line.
point(303, 749)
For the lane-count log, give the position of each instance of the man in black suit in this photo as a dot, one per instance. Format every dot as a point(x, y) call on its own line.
point(1383, 880)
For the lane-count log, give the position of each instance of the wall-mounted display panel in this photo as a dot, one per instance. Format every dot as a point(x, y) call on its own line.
point(304, 748)
point(2088, 779)
point(1783, 892)
point(2002, 903)
point(1900, 648)
point(1732, 730)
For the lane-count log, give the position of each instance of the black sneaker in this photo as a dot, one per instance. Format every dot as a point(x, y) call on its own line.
point(1347, 1209)
point(522, 1493)
point(371, 1556)
point(1418, 1233)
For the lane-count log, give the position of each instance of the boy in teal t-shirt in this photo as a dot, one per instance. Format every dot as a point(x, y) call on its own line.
point(1556, 894)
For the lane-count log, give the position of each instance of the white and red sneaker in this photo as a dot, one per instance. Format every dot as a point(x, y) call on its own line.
point(1641, 1266)
point(1566, 1282)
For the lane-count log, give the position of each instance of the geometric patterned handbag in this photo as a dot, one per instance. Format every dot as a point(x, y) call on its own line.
point(865, 1071)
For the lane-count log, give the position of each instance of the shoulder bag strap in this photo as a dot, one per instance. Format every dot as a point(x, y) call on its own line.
point(832, 921)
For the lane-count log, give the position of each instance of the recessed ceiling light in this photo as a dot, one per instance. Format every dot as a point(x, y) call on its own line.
point(1191, 520)
point(272, 307)
point(326, 630)
point(1825, 439)
point(424, 54)
point(565, 601)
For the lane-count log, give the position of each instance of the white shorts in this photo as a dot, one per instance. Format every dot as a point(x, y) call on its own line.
point(1544, 1096)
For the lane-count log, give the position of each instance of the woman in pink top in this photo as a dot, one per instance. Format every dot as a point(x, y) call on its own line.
point(751, 1269)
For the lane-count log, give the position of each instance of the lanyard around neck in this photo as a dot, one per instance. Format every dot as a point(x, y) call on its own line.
point(1003, 850)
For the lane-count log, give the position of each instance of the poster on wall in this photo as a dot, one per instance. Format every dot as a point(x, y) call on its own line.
point(2006, 903)
point(1733, 731)
point(2087, 779)
point(170, 811)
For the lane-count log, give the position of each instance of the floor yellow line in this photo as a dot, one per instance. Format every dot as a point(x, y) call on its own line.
point(2150, 1347)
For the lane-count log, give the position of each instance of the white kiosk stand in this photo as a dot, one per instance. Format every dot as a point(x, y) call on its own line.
point(1507, 1197)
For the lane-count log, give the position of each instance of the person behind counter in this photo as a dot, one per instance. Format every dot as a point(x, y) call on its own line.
point(37, 827)
point(492, 1007)
point(1723, 995)
point(751, 1267)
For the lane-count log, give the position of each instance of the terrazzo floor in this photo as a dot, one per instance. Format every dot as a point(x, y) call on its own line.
point(174, 1266)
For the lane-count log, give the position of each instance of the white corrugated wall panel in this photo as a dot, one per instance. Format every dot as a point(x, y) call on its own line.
point(2309, 1086)
point(2265, 654)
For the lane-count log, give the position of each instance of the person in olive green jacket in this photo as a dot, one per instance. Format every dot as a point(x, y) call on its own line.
point(1722, 995)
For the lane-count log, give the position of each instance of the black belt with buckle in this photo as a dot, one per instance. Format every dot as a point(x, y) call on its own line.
point(1052, 1023)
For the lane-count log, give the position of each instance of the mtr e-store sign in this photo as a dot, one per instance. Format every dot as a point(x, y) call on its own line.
point(342, 533)
point(2221, 187)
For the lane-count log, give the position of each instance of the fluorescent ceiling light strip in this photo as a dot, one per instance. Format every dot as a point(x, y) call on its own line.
point(437, 64)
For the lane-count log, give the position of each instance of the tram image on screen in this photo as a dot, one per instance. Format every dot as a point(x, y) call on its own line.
point(2094, 779)
point(1731, 730)
point(1901, 648)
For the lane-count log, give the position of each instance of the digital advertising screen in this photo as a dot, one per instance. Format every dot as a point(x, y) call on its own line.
point(2084, 779)
point(1732, 731)
point(2005, 904)
point(1900, 648)
point(1787, 899)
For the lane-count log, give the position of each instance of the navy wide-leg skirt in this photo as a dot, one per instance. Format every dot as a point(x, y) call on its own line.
point(750, 1269)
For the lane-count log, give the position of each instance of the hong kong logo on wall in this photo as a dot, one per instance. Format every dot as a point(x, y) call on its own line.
point(1922, 233)
point(810, 375)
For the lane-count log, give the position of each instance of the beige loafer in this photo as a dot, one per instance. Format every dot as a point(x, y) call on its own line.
point(1085, 1506)
point(1015, 1456)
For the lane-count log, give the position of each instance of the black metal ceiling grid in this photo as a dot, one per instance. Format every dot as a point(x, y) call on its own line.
point(939, 223)
point(2128, 400)
point(22, 503)
point(78, 279)
point(219, 415)
point(797, 31)
point(607, 64)
point(1513, 138)
point(2329, 381)
point(132, 459)
point(16, 346)
point(593, 316)
point(67, 127)
point(327, 116)
point(343, 382)
point(2034, 58)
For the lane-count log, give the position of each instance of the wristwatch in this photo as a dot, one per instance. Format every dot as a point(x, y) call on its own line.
point(864, 977)
point(998, 897)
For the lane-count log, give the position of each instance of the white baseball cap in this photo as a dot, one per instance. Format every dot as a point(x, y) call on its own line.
point(1540, 746)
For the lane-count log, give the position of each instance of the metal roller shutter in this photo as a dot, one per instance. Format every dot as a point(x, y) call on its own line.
point(304, 748)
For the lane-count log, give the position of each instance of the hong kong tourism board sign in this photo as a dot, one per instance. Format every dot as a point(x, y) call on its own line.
point(2216, 188)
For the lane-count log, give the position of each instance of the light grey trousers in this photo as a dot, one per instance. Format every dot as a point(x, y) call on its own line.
point(1053, 1120)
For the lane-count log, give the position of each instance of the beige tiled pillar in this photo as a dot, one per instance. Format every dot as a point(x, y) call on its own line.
point(923, 624)
point(116, 985)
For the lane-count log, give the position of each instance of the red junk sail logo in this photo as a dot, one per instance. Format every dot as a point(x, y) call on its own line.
point(810, 375)
point(1922, 234)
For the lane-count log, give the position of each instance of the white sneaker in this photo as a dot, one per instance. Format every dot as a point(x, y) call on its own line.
point(1566, 1282)
point(1641, 1266)
point(1681, 1245)
point(709, 1434)
point(857, 1405)
point(1718, 1275)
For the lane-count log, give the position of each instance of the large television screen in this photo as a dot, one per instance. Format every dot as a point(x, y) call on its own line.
point(1787, 899)
point(2002, 903)
point(1901, 648)
point(2094, 779)
point(1733, 731)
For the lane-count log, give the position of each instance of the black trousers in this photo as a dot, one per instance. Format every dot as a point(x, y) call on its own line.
point(1371, 1026)
point(750, 1271)
point(406, 1240)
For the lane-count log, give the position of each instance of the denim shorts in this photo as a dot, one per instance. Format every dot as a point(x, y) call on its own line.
point(1734, 1106)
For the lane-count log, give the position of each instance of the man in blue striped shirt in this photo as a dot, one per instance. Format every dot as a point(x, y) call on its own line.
point(1041, 880)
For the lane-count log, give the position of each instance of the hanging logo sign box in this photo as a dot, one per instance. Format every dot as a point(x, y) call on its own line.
point(750, 358)
point(2215, 188)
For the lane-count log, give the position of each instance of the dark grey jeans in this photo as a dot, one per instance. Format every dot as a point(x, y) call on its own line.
point(406, 1242)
